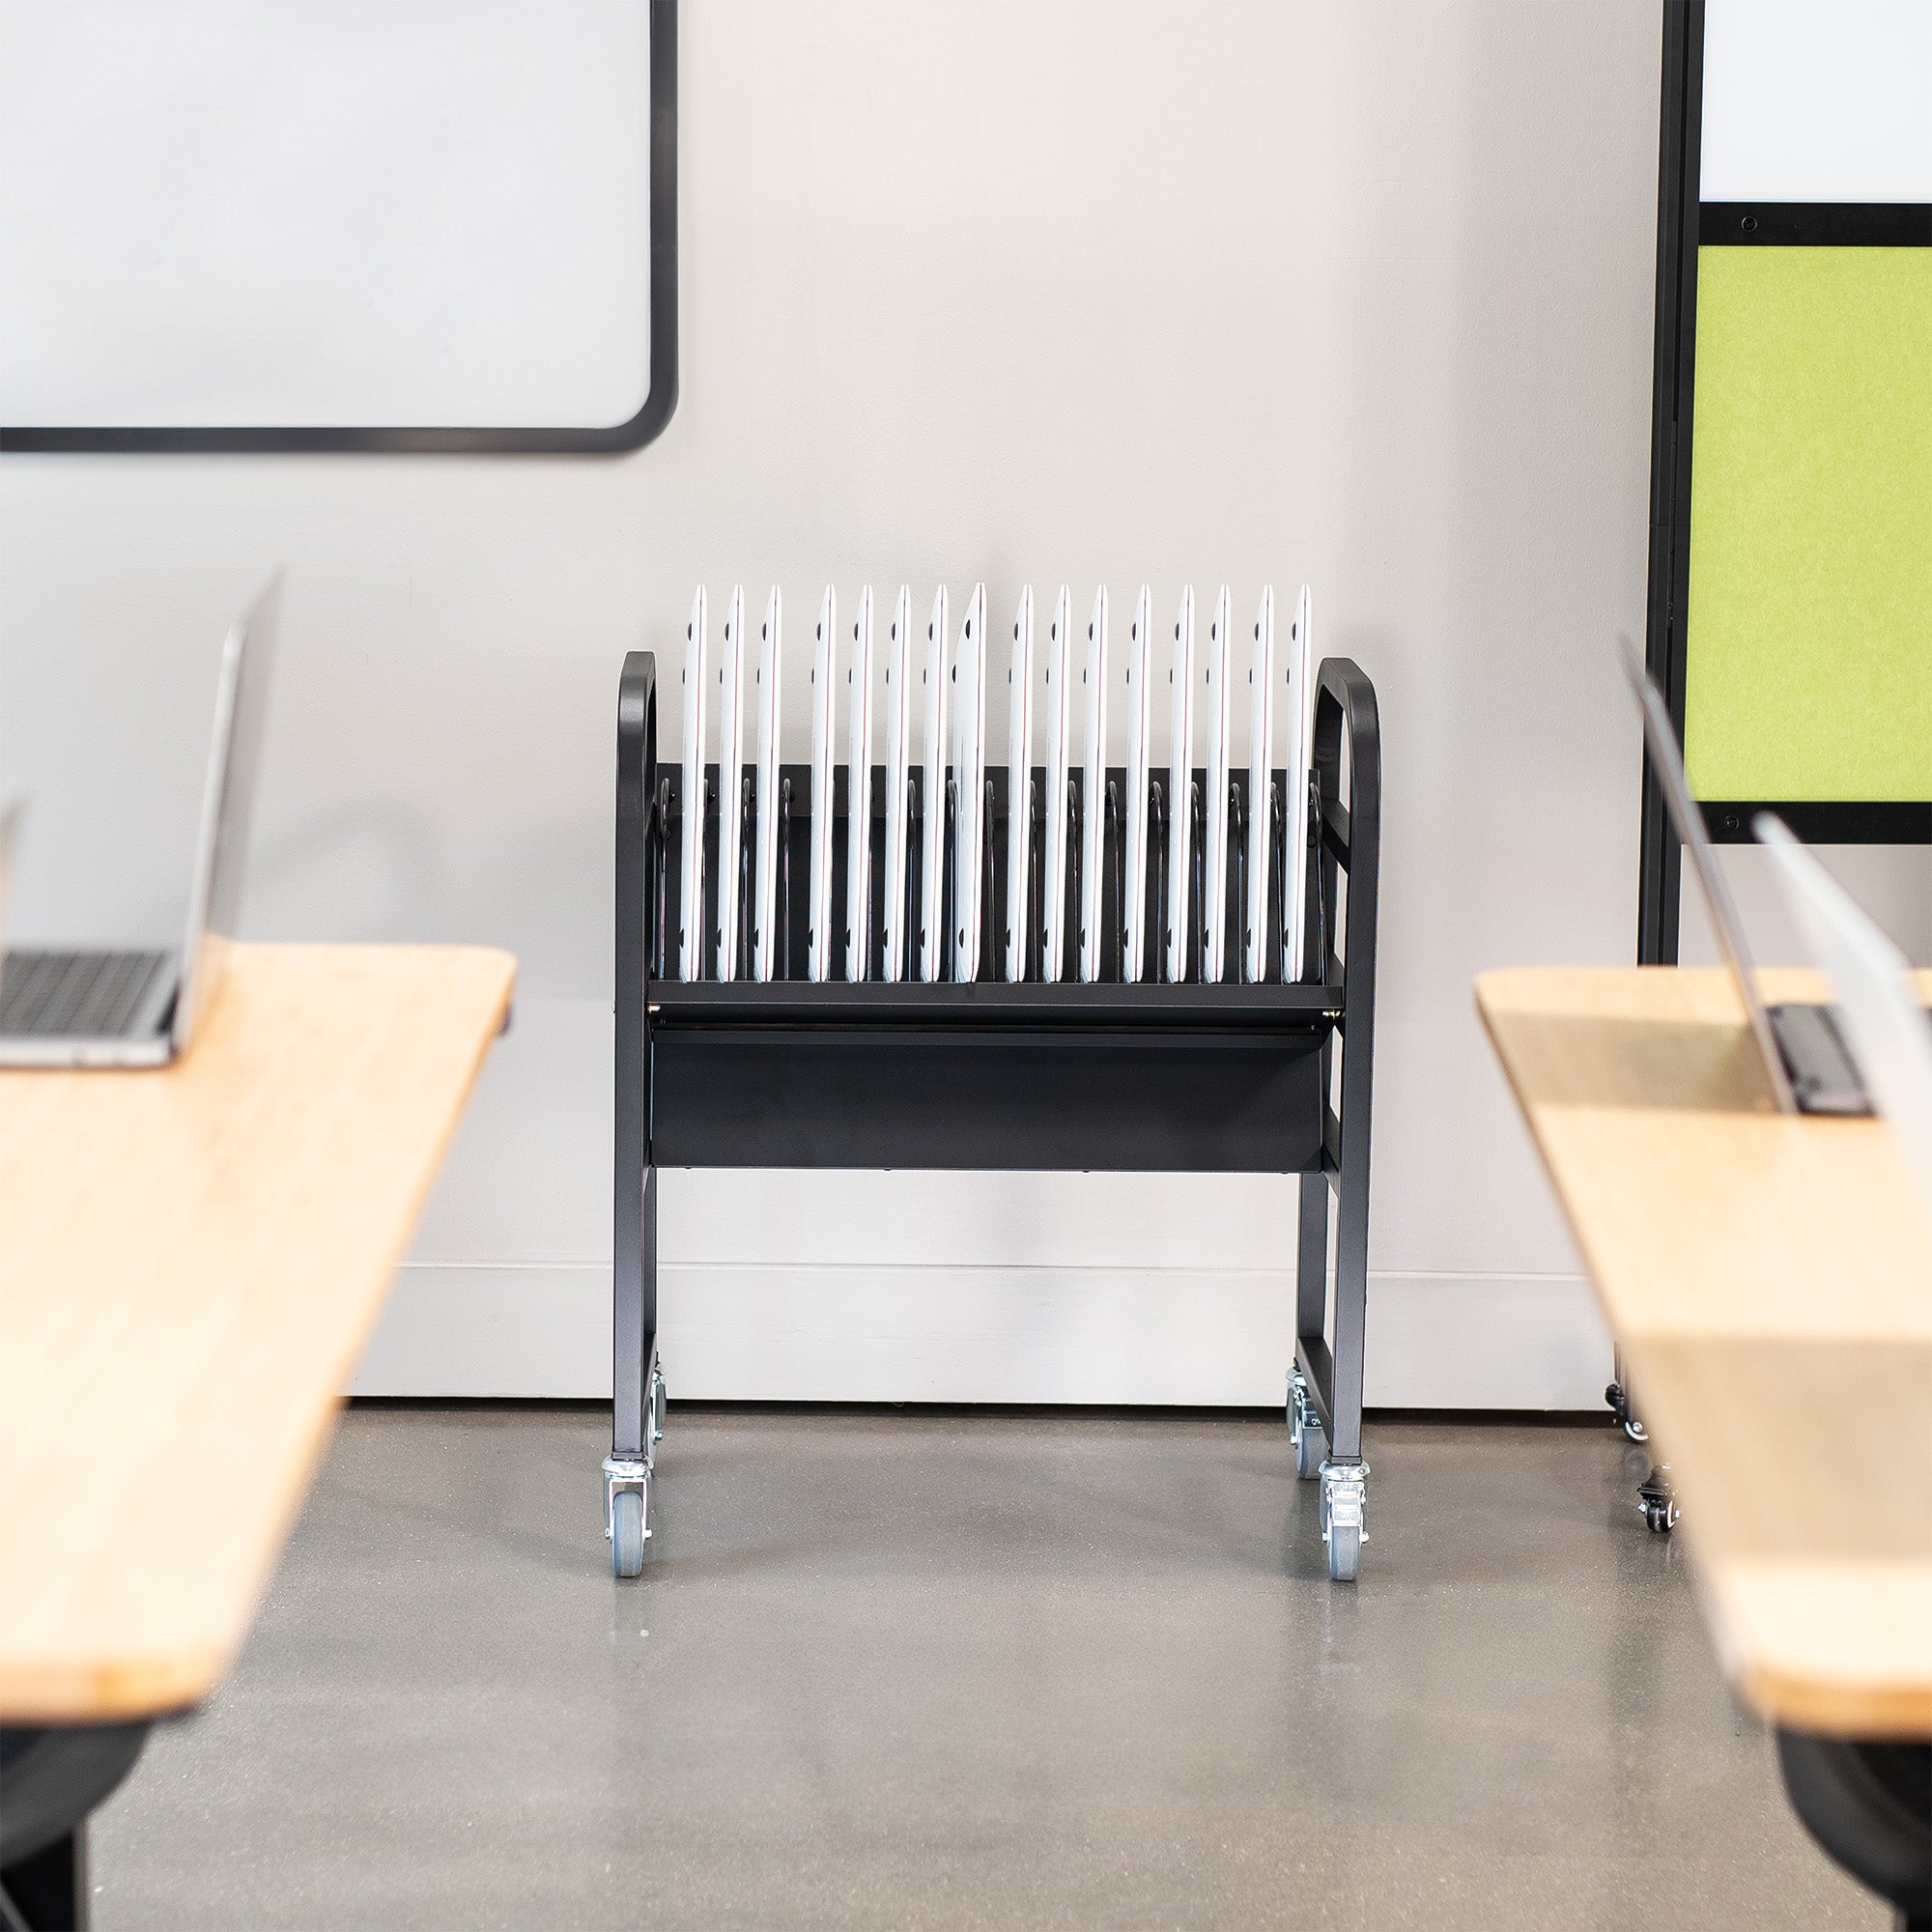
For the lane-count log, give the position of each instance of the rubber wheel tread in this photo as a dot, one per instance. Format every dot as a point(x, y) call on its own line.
point(1345, 1552)
point(627, 1533)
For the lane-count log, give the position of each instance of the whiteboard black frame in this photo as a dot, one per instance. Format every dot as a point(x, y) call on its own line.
point(660, 400)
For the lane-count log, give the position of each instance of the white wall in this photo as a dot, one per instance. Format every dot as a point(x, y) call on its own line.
point(1036, 290)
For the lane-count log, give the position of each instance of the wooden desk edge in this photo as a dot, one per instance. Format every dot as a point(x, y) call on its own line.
point(134, 1691)
point(1830, 1707)
point(167, 1683)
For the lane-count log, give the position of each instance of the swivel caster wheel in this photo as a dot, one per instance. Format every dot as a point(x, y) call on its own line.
point(1345, 1495)
point(1304, 1427)
point(627, 1512)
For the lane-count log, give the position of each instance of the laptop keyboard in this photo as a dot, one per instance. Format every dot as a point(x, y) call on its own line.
point(75, 995)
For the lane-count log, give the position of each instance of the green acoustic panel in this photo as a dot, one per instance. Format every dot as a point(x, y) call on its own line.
point(1808, 666)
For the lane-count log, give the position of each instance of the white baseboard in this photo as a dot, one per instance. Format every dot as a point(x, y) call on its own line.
point(890, 1333)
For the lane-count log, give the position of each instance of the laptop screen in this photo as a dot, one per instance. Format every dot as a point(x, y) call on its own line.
point(228, 804)
point(1669, 764)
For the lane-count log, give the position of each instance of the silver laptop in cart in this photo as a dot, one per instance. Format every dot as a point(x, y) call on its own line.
point(140, 1008)
point(1805, 1055)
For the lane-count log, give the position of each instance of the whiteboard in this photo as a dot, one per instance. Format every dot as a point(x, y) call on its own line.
point(345, 216)
point(1817, 100)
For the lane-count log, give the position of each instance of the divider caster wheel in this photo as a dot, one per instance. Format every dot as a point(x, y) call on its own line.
point(1304, 1427)
point(657, 1403)
point(1618, 1397)
point(1657, 1501)
point(1345, 1495)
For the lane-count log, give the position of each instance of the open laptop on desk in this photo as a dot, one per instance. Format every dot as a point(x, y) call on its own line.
point(1804, 1052)
point(139, 1009)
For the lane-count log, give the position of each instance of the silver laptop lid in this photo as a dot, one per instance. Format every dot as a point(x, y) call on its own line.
point(227, 806)
point(1879, 1011)
point(1669, 763)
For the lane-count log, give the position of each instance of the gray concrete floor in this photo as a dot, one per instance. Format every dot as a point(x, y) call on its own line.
point(900, 1669)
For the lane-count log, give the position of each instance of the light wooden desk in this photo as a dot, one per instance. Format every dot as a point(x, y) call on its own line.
point(190, 1262)
point(1769, 1278)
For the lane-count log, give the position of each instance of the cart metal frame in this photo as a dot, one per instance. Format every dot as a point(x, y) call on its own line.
point(1029, 1076)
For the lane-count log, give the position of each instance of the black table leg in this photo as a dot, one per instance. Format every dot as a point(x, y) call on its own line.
point(46, 1891)
point(49, 1781)
point(1870, 1807)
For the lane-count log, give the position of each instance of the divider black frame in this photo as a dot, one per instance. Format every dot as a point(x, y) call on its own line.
point(1683, 222)
point(1026, 1076)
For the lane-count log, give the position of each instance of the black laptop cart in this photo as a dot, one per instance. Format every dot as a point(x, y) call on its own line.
point(1149, 1077)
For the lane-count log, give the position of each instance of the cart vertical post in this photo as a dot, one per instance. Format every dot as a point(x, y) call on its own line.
point(634, 1382)
point(1325, 1389)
